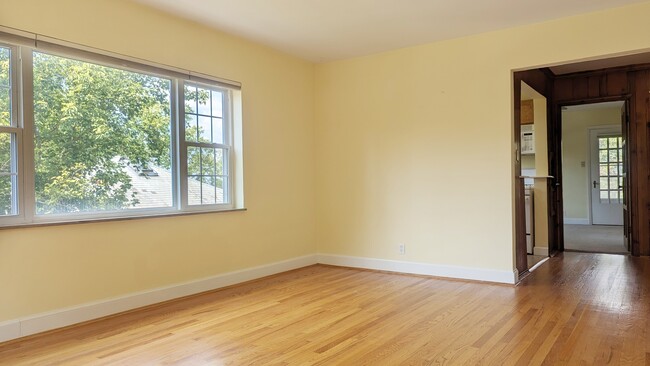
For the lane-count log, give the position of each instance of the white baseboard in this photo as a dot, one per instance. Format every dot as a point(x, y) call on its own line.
point(438, 270)
point(540, 251)
point(570, 221)
point(9, 330)
point(63, 317)
point(18, 328)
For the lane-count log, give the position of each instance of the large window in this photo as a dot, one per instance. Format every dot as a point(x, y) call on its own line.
point(96, 140)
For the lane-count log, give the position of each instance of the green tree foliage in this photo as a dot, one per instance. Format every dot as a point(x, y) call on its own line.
point(91, 121)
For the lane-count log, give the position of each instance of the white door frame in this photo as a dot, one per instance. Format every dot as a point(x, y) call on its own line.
point(614, 129)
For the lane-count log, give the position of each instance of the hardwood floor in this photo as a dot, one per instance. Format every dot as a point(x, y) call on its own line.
point(576, 308)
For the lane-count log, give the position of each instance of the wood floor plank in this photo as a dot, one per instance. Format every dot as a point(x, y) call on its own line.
point(577, 308)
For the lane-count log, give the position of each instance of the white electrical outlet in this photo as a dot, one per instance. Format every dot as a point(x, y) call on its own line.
point(402, 249)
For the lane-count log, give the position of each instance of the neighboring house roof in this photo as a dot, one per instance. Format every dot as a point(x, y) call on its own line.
point(156, 190)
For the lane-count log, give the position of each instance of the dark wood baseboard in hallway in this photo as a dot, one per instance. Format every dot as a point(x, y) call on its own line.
point(574, 309)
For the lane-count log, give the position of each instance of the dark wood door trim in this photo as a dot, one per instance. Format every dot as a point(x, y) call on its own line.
point(542, 82)
point(521, 259)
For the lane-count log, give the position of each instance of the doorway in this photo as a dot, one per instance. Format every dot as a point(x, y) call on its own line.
point(593, 175)
point(622, 78)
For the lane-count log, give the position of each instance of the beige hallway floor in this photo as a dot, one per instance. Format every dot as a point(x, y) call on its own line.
point(594, 238)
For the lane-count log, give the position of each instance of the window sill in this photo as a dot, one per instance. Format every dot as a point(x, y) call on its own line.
point(116, 218)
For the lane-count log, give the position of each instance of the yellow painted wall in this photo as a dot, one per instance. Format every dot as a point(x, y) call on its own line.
point(575, 150)
point(415, 145)
point(348, 157)
point(47, 268)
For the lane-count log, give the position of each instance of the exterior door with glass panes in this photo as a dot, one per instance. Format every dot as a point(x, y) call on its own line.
point(606, 176)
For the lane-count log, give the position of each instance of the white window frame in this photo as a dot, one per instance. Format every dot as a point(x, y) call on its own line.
point(23, 128)
point(226, 146)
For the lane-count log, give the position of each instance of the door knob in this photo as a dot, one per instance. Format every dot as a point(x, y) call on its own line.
point(595, 184)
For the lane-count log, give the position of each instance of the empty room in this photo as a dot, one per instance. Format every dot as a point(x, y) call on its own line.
point(299, 182)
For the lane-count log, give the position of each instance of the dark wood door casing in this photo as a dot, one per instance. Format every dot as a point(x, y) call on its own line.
point(541, 81)
point(631, 84)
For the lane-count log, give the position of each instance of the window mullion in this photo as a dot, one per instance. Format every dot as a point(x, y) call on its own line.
point(25, 84)
point(182, 151)
point(228, 139)
point(175, 118)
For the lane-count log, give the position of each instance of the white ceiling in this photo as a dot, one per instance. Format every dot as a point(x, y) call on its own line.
point(325, 30)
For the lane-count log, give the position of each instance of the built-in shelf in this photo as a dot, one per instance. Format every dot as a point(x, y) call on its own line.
point(537, 176)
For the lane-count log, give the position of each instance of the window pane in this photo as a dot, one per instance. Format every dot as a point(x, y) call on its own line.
point(603, 170)
point(5, 87)
point(613, 183)
point(602, 156)
point(613, 156)
point(6, 195)
point(208, 191)
point(191, 128)
point(203, 97)
point(5, 106)
point(208, 163)
point(217, 130)
point(190, 99)
point(613, 195)
point(201, 190)
point(603, 183)
point(6, 153)
point(205, 129)
point(604, 195)
point(613, 142)
point(613, 169)
point(7, 174)
point(103, 138)
point(193, 160)
point(220, 162)
point(217, 104)
point(194, 190)
point(602, 143)
point(220, 190)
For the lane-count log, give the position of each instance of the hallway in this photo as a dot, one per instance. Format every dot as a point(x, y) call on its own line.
point(594, 238)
